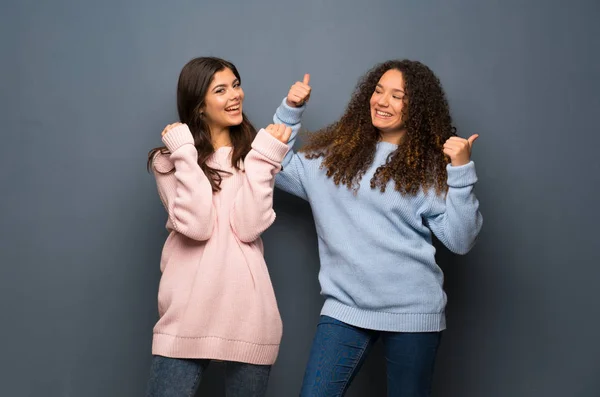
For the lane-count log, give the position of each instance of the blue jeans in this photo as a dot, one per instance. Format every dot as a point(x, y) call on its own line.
point(175, 377)
point(339, 350)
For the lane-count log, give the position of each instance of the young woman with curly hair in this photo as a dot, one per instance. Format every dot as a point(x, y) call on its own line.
point(384, 177)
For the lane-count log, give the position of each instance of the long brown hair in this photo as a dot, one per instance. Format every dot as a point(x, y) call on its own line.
point(192, 87)
point(348, 145)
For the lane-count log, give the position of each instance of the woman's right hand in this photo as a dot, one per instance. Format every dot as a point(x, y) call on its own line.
point(299, 93)
point(169, 128)
point(281, 132)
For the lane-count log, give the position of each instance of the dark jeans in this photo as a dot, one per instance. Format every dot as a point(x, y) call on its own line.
point(339, 350)
point(174, 377)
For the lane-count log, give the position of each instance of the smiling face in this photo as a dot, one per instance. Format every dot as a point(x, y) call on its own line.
point(387, 103)
point(223, 102)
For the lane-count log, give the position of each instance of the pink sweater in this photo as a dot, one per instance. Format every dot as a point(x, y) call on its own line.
point(215, 298)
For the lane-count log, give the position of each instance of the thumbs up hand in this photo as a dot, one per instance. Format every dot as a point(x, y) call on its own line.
point(459, 149)
point(299, 92)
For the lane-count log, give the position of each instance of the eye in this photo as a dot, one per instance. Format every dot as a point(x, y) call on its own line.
point(219, 91)
point(237, 85)
point(398, 97)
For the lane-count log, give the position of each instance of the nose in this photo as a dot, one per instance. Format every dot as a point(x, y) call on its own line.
point(235, 95)
point(382, 100)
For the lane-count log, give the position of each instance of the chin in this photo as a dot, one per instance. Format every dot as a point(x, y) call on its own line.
point(233, 121)
point(377, 124)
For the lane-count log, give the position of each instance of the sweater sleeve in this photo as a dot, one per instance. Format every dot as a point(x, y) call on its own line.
point(456, 220)
point(252, 212)
point(291, 177)
point(186, 193)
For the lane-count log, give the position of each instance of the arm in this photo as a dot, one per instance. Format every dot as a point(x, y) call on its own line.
point(252, 212)
point(185, 193)
point(456, 220)
point(290, 113)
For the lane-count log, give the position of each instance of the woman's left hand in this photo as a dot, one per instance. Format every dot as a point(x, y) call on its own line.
point(459, 149)
point(281, 132)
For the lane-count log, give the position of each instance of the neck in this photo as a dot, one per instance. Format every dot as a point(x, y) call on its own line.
point(395, 137)
point(220, 137)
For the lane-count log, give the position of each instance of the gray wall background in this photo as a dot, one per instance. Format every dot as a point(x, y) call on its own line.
point(86, 87)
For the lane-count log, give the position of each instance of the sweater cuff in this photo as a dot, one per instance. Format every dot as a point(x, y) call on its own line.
point(269, 146)
point(461, 176)
point(289, 115)
point(177, 137)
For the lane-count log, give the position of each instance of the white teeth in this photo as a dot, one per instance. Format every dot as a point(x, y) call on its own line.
point(384, 114)
point(233, 108)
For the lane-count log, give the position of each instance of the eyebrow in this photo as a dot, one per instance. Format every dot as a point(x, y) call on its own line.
point(393, 89)
point(225, 85)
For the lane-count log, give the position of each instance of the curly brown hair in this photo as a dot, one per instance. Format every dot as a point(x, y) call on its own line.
point(348, 145)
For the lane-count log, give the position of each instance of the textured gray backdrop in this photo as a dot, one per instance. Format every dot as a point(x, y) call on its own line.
point(86, 87)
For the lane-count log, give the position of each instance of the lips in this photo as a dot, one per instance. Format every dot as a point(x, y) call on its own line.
point(233, 108)
point(382, 114)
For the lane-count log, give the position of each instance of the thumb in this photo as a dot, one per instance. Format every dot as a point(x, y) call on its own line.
point(306, 79)
point(286, 134)
point(472, 139)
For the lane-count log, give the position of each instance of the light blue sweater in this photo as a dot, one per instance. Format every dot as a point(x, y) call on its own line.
point(378, 268)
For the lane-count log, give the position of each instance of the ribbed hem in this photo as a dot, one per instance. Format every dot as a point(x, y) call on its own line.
point(380, 321)
point(288, 114)
point(177, 137)
point(269, 146)
point(215, 348)
point(461, 176)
